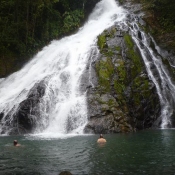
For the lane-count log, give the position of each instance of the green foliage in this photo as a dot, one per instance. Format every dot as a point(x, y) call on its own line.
point(72, 20)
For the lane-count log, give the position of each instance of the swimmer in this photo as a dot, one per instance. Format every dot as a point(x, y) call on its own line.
point(15, 143)
point(101, 139)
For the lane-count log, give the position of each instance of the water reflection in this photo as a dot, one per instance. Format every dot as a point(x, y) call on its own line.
point(166, 137)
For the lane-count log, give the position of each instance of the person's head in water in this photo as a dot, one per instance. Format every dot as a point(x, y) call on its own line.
point(101, 139)
point(101, 135)
point(15, 142)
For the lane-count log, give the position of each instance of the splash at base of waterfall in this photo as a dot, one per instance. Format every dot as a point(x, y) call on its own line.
point(51, 136)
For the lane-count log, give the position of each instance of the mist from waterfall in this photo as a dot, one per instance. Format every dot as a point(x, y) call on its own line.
point(60, 66)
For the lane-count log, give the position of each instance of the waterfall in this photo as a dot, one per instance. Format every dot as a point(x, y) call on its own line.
point(57, 73)
point(59, 66)
point(156, 70)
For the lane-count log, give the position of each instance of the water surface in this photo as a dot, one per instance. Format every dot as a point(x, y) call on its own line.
point(149, 152)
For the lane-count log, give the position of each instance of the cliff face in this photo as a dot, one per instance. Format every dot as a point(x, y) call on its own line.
point(123, 98)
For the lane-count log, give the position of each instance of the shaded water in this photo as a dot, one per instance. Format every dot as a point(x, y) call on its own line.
point(146, 152)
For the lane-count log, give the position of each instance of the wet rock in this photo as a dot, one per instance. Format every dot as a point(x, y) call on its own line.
point(1, 115)
point(100, 125)
point(28, 114)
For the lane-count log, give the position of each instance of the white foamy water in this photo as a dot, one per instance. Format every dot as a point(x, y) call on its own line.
point(63, 107)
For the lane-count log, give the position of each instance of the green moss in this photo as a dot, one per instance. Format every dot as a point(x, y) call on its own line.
point(118, 48)
point(111, 102)
point(133, 55)
point(119, 87)
point(109, 53)
point(101, 41)
point(120, 82)
point(128, 41)
point(105, 70)
point(140, 89)
point(121, 71)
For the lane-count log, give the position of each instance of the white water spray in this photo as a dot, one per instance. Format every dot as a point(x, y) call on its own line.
point(60, 64)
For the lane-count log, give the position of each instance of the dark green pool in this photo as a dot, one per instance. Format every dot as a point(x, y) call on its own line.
point(149, 152)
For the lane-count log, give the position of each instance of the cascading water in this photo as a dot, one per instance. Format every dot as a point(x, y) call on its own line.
point(156, 71)
point(59, 67)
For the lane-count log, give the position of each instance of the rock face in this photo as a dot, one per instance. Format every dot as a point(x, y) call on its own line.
point(28, 113)
point(122, 98)
point(29, 109)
